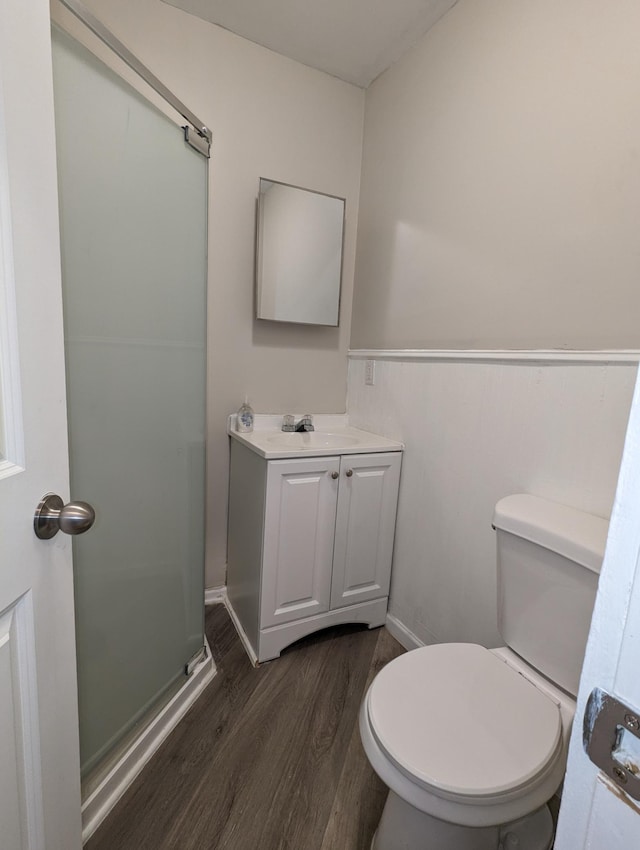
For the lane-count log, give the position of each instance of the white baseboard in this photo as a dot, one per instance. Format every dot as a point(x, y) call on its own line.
point(218, 596)
point(405, 636)
point(241, 633)
point(215, 595)
point(100, 802)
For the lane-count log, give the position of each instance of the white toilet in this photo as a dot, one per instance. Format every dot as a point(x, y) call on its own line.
point(472, 742)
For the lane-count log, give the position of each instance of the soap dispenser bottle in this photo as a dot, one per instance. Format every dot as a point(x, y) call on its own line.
point(244, 419)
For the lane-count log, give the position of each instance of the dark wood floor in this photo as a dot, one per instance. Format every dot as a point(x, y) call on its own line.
point(268, 758)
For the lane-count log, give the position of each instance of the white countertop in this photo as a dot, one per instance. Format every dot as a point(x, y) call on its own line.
point(332, 436)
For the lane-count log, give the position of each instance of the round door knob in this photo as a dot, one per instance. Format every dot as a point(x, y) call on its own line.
point(349, 473)
point(335, 475)
point(52, 516)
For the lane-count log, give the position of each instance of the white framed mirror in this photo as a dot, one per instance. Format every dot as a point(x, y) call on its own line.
point(298, 254)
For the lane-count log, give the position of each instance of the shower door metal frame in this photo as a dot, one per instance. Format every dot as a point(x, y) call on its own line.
point(202, 141)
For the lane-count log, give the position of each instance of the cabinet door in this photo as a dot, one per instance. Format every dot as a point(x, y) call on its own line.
point(299, 528)
point(365, 526)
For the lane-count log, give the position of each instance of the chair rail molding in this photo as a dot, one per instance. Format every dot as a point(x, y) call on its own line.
point(629, 356)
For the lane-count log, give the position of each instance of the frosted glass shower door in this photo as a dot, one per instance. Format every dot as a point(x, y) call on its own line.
point(133, 221)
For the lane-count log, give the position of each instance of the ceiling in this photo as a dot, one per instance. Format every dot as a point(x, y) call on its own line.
point(355, 40)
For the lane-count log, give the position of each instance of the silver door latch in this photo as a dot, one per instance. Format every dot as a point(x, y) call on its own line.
point(611, 738)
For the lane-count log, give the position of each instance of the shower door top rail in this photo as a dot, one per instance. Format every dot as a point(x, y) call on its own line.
point(105, 35)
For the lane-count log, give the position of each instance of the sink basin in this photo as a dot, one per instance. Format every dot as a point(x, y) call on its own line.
point(333, 436)
point(311, 440)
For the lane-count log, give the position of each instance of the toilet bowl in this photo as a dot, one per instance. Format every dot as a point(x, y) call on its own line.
point(467, 746)
point(472, 742)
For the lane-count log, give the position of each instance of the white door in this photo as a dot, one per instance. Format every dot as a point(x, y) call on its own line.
point(39, 760)
point(299, 526)
point(365, 527)
point(595, 813)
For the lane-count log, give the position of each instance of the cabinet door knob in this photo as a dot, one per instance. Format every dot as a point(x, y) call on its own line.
point(335, 475)
point(349, 473)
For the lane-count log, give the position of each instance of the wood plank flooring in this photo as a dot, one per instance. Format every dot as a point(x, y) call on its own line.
point(268, 758)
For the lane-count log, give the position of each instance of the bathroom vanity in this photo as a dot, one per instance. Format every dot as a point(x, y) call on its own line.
point(311, 528)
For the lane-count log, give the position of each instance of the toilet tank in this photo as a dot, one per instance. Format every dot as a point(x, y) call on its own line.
point(548, 557)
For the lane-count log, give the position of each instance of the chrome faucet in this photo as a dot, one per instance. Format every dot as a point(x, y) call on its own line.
point(305, 424)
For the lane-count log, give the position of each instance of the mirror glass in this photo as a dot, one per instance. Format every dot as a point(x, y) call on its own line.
point(299, 255)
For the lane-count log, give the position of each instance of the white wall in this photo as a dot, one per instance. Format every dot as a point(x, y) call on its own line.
point(477, 430)
point(274, 118)
point(501, 182)
point(499, 206)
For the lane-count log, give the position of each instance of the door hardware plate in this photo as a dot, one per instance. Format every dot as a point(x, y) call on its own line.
point(611, 739)
point(197, 658)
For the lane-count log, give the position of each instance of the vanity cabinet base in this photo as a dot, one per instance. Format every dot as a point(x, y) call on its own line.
point(272, 641)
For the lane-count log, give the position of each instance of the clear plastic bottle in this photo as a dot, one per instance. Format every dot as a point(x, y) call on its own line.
point(244, 419)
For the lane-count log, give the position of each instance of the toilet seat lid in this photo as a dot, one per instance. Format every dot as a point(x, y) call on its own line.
point(456, 718)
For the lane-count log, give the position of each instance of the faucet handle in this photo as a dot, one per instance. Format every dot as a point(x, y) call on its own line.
point(288, 422)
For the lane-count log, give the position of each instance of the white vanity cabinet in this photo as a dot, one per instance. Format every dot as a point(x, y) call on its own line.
point(310, 543)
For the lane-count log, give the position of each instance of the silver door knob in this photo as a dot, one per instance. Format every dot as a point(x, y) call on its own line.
point(349, 473)
point(52, 516)
point(335, 475)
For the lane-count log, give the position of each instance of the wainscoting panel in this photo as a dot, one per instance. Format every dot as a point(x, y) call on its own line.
point(475, 430)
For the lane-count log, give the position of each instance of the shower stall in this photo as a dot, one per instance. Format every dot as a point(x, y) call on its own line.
point(133, 205)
